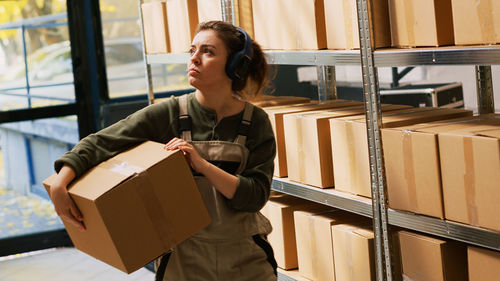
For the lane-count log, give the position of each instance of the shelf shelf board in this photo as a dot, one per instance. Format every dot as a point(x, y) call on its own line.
point(179, 58)
point(330, 197)
point(448, 229)
point(290, 275)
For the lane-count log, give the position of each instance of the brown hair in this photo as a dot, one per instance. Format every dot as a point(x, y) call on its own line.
point(234, 41)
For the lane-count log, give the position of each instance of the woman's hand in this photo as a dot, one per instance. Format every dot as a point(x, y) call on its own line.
point(65, 207)
point(195, 160)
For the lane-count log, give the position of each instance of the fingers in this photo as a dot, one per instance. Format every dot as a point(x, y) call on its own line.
point(175, 143)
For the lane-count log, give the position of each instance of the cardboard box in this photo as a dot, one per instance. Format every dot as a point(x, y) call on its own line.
point(342, 31)
point(136, 206)
point(266, 101)
point(276, 113)
point(289, 24)
point(306, 253)
point(308, 143)
point(182, 23)
point(350, 144)
point(412, 164)
point(154, 16)
point(212, 10)
point(484, 265)
point(425, 258)
point(476, 22)
point(279, 210)
point(353, 250)
point(417, 23)
point(470, 169)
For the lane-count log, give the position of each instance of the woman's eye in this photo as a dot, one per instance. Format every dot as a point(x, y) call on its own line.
point(192, 51)
point(208, 51)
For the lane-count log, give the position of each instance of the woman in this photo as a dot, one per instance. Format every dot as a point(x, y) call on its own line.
point(229, 144)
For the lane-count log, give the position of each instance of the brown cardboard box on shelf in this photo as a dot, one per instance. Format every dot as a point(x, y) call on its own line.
point(266, 101)
point(212, 10)
point(416, 23)
point(279, 210)
point(289, 24)
point(350, 149)
point(276, 113)
point(182, 22)
point(308, 143)
point(470, 170)
point(136, 206)
point(342, 32)
point(154, 15)
point(425, 258)
point(306, 253)
point(413, 172)
point(476, 22)
point(353, 252)
point(484, 265)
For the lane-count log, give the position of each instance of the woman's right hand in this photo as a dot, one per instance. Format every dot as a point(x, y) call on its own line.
point(65, 207)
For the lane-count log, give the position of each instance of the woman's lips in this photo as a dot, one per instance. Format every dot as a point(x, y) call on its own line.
point(193, 71)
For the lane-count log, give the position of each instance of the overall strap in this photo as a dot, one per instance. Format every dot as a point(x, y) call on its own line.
point(185, 122)
point(244, 127)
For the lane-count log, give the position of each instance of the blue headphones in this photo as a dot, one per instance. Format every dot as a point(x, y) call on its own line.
point(238, 64)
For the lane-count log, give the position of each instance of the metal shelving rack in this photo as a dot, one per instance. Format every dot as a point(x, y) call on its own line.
point(370, 60)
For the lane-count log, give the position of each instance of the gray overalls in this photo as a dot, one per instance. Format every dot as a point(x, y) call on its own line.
point(233, 246)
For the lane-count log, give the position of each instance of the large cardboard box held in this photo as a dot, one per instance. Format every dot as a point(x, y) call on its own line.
point(289, 24)
point(425, 258)
point(136, 206)
point(212, 10)
point(417, 23)
point(476, 22)
point(154, 17)
point(484, 265)
point(350, 144)
point(276, 113)
point(342, 32)
point(308, 143)
point(353, 252)
point(279, 210)
point(413, 172)
point(470, 169)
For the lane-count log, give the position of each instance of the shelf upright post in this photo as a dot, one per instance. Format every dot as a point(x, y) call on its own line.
point(327, 87)
point(373, 125)
point(485, 102)
point(147, 66)
point(228, 11)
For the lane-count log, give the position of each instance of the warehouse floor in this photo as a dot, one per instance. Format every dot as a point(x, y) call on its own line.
point(63, 264)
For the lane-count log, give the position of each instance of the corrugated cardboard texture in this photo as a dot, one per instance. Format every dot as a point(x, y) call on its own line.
point(154, 16)
point(279, 210)
point(418, 23)
point(350, 149)
point(476, 22)
point(425, 258)
point(289, 24)
point(484, 265)
point(182, 22)
point(470, 169)
point(342, 30)
point(130, 222)
point(353, 252)
point(276, 113)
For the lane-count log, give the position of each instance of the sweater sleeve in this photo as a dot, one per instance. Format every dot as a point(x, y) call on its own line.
point(254, 183)
point(154, 122)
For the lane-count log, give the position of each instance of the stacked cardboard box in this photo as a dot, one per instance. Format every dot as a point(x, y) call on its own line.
point(484, 265)
point(136, 206)
point(266, 101)
point(350, 150)
point(476, 22)
point(156, 36)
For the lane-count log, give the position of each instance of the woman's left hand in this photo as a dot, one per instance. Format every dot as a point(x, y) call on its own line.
point(194, 159)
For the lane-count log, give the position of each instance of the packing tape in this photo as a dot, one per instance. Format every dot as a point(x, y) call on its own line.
point(300, 150)
point(350, 260)
point(469, 181)
point(346, 7)
point(161, 223)
point(352, 163)
point(406, 278)
point(484, 9)
point(121, 167)
point(410, 21)
point(409, 167)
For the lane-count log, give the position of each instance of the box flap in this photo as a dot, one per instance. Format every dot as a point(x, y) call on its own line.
point(495, 133)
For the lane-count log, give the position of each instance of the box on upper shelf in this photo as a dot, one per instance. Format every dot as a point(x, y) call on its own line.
point(289, 24)
point(416, 23)
point(476, 22)
point(212, 10)
point(156, 36)
point(341, 18)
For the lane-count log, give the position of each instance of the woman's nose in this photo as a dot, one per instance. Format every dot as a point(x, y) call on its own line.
point(195, 57)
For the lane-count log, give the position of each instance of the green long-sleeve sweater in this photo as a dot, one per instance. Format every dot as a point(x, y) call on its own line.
point(160, 122)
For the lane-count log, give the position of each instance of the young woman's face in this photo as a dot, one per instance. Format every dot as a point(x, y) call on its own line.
point(208, 60)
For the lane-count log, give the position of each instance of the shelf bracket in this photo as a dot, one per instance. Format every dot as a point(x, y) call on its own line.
point(327, 88)
point(485, 102)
